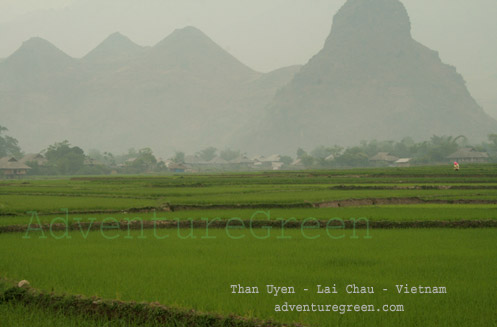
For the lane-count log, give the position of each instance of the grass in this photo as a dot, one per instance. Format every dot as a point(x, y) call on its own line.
point(414, 212)
point(198, 272)
point(478, 182)
point(15, 204)
point(13, 314)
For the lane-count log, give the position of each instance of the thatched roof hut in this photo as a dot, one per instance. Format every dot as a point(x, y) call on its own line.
point(468, 155)
point(10, 167)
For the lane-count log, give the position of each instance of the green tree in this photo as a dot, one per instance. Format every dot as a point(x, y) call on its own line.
point(491, 147)
point(493, 140)
point(406, 148)
point(287, 160)
point(65, 159)
point(207, 154)
point(105, 158)
point(353, 157)
point(307, 160)
point(8, 145)
point(145, 161)
point(437, 149)
point(179, 157)
point(229, 154)
point(109, 159)
point(322, 152)
point(300, 153)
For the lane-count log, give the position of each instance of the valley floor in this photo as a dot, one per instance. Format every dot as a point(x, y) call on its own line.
point(194, 267)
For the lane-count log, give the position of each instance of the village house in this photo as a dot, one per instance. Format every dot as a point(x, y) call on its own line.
point(403, 162)
point(468, 155)
point(241, 162)
point(272, 162)
point(329, 158)
point(195, 161)
point(218, 163)
point(176, 167)
point(383, 158)
point(11, 168)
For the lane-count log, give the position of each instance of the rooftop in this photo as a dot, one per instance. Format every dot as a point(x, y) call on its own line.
point(12, 163)
point(383, 156)
point(467, 153)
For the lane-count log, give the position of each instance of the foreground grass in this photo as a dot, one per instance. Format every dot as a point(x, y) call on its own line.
point(12, 314)
point(197, 273)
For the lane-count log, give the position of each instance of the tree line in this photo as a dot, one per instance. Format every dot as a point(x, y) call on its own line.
point(62, 158)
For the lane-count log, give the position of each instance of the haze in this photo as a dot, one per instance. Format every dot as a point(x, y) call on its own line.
point(265, 35)
point(241, 74)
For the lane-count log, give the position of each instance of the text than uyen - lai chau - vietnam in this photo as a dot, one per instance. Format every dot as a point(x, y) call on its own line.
point(333, 289)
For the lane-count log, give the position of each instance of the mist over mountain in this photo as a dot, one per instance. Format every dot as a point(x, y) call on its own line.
point(32, 64)
point(184, 93)
point(371, 80)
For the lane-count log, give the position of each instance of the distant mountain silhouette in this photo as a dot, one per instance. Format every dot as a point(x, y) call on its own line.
point(34, 62)
point(370, 80)
point(184, 93)
point(115, 48)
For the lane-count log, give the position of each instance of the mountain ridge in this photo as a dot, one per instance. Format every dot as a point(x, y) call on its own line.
point(115, 47)
point(371, 80)
point(183, 93)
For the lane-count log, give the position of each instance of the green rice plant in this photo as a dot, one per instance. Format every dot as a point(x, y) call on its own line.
point(395, 213)
point(198, 272)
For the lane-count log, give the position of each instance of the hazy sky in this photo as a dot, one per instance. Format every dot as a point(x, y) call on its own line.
point(264, 34)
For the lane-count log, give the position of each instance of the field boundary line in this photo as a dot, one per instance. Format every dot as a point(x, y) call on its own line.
point(354, 202)
point(359, 223)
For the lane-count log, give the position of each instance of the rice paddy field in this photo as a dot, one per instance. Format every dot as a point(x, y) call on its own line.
point(201, 269)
